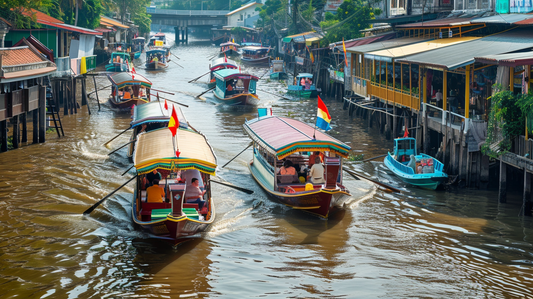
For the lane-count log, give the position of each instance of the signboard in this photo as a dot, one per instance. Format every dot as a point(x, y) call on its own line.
point(299, 60)
point(332, 5)
point(520, 6)
point(158, 43)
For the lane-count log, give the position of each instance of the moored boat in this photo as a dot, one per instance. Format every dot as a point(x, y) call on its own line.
point(119, 62)
point(424, 172)
point(219, 64)
point(228, 49)
point(256, 55)
point(156, 58)
point(137, 47)
point(174, 220)
point(303, 86)
point(276, 139)
point(157, 40)
point(128, 89)
point(277, 70)
point(235, 88)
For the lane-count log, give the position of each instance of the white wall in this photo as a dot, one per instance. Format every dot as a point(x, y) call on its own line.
point(241, 15)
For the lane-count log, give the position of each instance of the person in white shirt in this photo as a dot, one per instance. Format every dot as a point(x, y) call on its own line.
point(316, 174)
point(438, 98)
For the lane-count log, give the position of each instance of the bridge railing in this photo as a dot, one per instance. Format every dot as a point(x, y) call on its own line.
point(158, 11)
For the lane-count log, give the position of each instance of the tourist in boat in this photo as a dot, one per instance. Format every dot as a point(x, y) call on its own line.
point(313, 157)
point(302, 82)
point(412, 163)
point(287, 168)
point(155, 193)
point(307, 83)
point(152, 176)
point(316, 174)
point(127, 94)
point(194, 193)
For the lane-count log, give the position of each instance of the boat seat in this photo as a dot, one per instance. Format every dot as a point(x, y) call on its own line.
point(288, 179)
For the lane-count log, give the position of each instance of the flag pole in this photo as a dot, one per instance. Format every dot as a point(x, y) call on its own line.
point(316, 118)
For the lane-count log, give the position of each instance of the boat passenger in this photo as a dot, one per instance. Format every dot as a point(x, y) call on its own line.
point(155, 193)
point(316, 174)
point(412, 163)
point(152, 176)
point(287, 168)
point(302, 82)
point(127, 94)
point(307, 83)
point(312, 158)
point(193, 194)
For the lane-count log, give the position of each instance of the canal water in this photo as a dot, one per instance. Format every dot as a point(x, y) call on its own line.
point(444, 244)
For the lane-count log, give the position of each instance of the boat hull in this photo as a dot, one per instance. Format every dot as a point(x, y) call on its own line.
point(304, 93)
point(126, 105)
point(240, 99)
point(318, 202)
point(279, 76)
point(256, 61)
point(156, 65)
point(423, 180)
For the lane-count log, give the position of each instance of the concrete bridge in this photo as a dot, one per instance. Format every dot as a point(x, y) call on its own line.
point(181, 20)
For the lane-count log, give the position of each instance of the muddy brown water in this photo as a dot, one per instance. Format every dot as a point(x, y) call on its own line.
point(446, 244)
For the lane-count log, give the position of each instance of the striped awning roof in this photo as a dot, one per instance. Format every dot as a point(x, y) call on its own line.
point(282, 136)
point(156, 112)
point(122, 79)
point(156, 149)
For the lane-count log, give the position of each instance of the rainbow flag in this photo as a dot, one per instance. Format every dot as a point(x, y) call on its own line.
point(322, 116)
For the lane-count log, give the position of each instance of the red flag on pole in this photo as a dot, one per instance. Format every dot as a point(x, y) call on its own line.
point(166, 105)
point(406, 133)
point(225, 58)
point(173, 122)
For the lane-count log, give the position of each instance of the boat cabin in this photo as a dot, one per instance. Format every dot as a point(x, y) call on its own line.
point(229, 47)
point(157, 40)
point(157, 54)
point(230, 82)
point(255, 52)
point(153, 115)
point(303, 81)
point(138, 44)
point(128, 86)
point(404, 148)
point(119, 62)
point(277, 66)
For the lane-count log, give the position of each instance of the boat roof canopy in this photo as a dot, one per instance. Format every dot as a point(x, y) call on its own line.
point(221, 61)
point(229, 43)
point(156, 149)
point(226, 74)
point(139, 38)
point(304, 75)
point(157, 50)
point(251, 44)
point(123, 54)
point(155, 112)
point(283, 136)
point(123, 78)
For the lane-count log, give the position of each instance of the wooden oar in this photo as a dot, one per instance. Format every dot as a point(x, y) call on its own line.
point(234, 187)
point(251, 143)
point(177, 64)
point(205, 91)
point(199, 77)
point(357, 176)
point(264, 74)
point(171, 101)
point(89, 210)
point(116, 136)
point(116, 150)
point(162, 91)
point(127, 170)
point(274, 94)
point(175, 55)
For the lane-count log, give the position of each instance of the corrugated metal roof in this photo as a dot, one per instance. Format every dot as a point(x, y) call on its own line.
point(438, 23)
point(502, 19)
point(463, 54)
point(385, 44)
point(363, 40)
point(513, 59)
point(398, 52)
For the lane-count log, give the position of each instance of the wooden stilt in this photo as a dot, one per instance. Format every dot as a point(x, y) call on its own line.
point(3, 136)
point(502, 193)
point(24, 120)
point(15, 121)
point(35, 119)
point(42, 114)
point(96, 91)
point(527, 193)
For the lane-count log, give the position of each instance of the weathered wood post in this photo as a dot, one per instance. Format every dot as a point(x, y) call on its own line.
point(35, 120)
point(83, 92)
point(24, 119)
point(42, 114)
point(16, 131)
point(527, 193)
point(502, 193)
point(3, 136)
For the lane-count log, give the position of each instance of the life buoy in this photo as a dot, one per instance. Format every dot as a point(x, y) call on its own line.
point(289, 190)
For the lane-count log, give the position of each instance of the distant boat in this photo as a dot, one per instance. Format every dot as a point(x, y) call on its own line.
point(276, 139)
point(137, 47)
point(219, 64)
point(235, 88)
point(256, 55)
point(157, 58)
point(300, 89)
point(119, 62)
point(229, 49)
point(128, 89)
point(277, 70)
point(428, 171)
point(157, 40)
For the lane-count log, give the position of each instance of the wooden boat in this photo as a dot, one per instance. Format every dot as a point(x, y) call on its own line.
point(173, 220)
point(156, 58)
point(229, 49)
point(277, 70)
point(277, 138)
point(300, 89)
point(137, 47)
point(219, 64)
point(157, 40)
point(255, 55)
point(152, 116)
point(136, 85)
point(235, 88)
point(119, 62)
point(428, 172)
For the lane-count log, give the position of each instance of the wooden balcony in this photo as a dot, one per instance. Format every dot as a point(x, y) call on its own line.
point(394, 96)
point(15, 102)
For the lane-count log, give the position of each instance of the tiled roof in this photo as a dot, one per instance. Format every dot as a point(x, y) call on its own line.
point(40, 16)
point(111, 22)
point(19, 56)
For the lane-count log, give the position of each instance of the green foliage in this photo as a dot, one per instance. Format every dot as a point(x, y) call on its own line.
point(355, 157)
point(89, 14)
point(506, 113)
point(11, 10)
point(354, 15)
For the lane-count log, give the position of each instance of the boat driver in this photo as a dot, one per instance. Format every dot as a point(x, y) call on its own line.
point(193, 194)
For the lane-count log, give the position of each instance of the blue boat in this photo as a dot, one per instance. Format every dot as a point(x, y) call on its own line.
point(426, 173)
point(235, 88)
point(277, 70)
point(119, 62)
point(299, 88)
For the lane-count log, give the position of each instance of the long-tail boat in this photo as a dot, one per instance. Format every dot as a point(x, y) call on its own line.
point(235, 88)
point(137, 47)
point(256, 55)
point(220, 64)
point(119, 62)
point(128, 89)
point(277, 70)
point(276, 139)
point(425, 172)
point(174, 220)
point(229, 49)
point(152, 116)
point(302, 89)
point(157, 58)
point(157, 40)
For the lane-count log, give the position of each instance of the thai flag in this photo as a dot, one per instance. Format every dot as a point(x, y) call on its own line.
point(322, 116)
